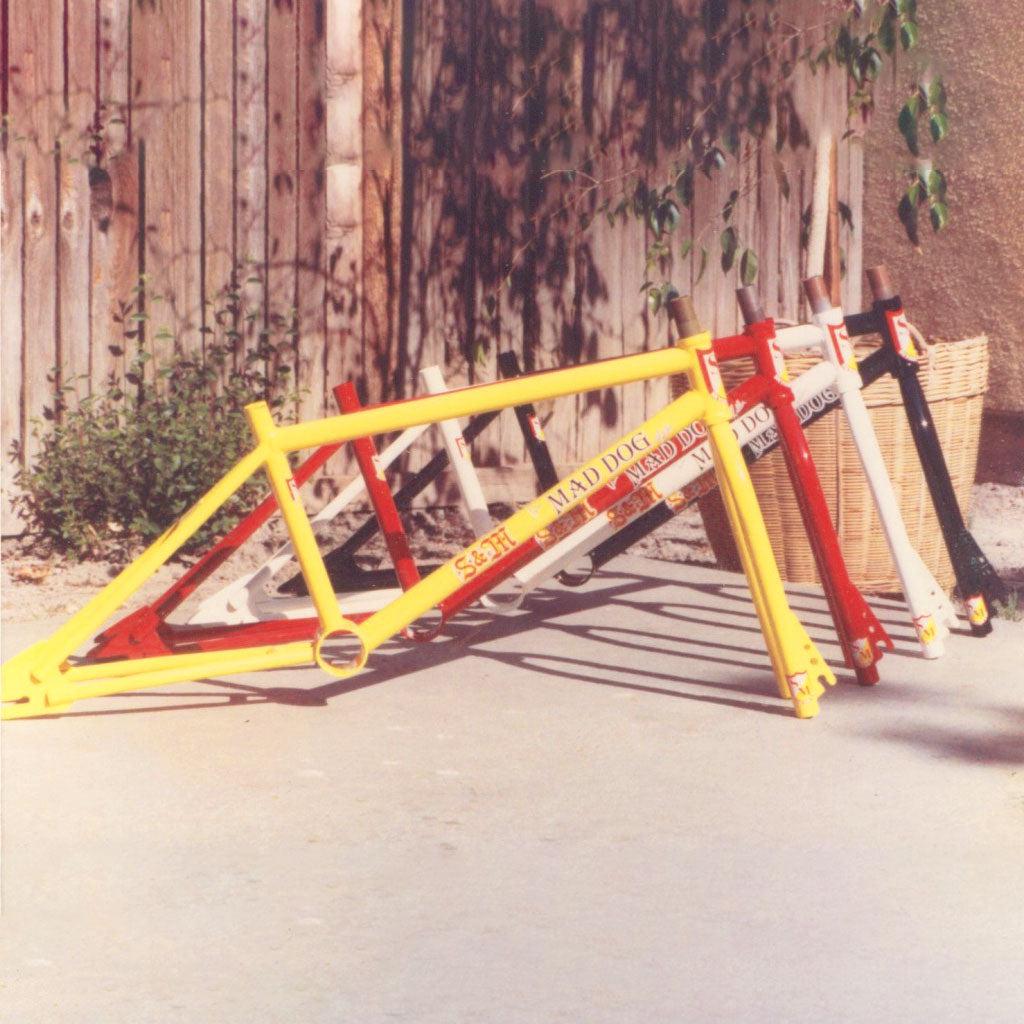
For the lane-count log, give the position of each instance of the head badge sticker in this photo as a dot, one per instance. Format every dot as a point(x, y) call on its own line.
point(899, 329)
point(842, 345)
point(778, 360)
point(712, 375)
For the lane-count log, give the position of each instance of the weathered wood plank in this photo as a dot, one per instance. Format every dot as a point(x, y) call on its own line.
point(35, 105)
point(73, 237)
point(311, 170)
point(113, 200)
point(282, 182)
point(436, 318)
point(186, 212)
point(152, 95)
point(251, 182)
point(12, 181)
point(218, 171)
point(549, 263)
point(771, 199)
point(344, 206)
point(165, 119)
point(382, 183)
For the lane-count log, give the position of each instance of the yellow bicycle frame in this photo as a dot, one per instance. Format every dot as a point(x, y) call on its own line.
point(41, 680)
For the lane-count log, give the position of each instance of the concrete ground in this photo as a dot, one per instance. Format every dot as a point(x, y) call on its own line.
point(594, 811)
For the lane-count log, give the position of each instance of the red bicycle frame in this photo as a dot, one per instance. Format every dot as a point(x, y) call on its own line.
point(859, 631)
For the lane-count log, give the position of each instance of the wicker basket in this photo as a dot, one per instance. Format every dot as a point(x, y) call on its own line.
point(954, 376)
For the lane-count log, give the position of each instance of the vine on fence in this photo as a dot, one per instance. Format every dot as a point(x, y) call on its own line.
point(725, 93)
point(750, 56)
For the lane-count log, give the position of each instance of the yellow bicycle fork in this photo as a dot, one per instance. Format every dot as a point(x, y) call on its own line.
point(800, 670)
point(42, 680)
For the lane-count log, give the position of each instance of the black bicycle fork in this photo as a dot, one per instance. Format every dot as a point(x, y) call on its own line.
point(978, 584)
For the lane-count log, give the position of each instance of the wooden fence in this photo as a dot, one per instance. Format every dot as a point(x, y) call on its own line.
point(167, 182)
point(493, 258)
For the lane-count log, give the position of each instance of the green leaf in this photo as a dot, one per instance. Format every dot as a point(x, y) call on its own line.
point(872, 64)
point(907, 124)
point(908, 35)
point(684, 185)
point(685, 248)
point(936, 94)
point(939, 214)
point(843, 45)
point(703, 265)
point(887, 32)
point(654, 300)
point(748, 266)
point(668, 215)
point(729, 241)
point(907, 211)
point(936, 184)
point(730, 205)
point(939, 125)
point(714, 161)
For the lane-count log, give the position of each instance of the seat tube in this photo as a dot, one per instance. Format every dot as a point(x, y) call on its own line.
point(286, 491)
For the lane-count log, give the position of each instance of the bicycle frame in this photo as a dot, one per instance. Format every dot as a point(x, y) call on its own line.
point(679, 464)
point(978, 583)
point(41, 679)
point(538, 559)
point(930, 609)
point(860, 633)
point(146, 630)
point(817, 392)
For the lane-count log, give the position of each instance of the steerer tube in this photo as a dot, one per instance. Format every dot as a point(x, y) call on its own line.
point(750, 305)
point(817, 294)
point(882, 287)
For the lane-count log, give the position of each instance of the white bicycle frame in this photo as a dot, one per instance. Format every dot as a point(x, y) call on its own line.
point(246, 599)
point(931, 610)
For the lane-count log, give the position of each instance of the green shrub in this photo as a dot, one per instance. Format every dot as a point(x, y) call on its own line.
point(114, 470)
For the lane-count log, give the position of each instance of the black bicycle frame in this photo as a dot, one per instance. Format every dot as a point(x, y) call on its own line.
point(978, 583)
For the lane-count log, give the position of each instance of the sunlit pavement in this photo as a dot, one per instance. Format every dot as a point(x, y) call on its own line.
point(595, 810)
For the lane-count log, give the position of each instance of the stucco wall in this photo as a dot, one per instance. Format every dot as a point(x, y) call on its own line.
point(970, 277)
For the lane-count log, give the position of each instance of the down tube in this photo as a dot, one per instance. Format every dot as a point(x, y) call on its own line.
point(80, 627)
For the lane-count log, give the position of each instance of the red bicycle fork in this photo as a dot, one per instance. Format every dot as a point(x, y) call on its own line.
point(860, 633)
